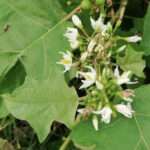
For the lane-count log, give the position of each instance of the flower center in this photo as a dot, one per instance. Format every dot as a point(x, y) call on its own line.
point(65, 61)
point(88, 77)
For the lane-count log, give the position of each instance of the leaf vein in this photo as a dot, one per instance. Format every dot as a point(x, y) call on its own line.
point(141, 132)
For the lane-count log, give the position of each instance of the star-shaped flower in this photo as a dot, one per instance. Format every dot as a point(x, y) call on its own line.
point(66, 61)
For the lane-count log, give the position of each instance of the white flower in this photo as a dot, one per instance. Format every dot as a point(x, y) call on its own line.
point(74, 44)
point(95, 122)
point(98, 25)
point(130, 108)
point(126, 110)
point(106, 114)
point(66, 61)
point(123, 78)
point(84, 56)
point(90, 77)
point(99, 48)
point(77, 22)
point(91, 46)
point(71, 34)
point(135, 38)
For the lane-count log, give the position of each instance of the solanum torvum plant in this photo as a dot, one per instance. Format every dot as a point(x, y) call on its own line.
point(101, 78)
point(76, 68)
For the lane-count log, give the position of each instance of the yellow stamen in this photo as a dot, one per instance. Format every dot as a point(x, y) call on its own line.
point(72, 43)
point(65, 61)
point(88, 77)
point(123, 73)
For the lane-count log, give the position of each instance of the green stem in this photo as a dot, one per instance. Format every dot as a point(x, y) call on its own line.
point(66, 143)
point(85, 33)
point(68, 140)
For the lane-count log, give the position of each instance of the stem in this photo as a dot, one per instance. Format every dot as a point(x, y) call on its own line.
point(68, 140)
point(85, 33)
point(66, 143)
point(120, 11)
point(110, 5)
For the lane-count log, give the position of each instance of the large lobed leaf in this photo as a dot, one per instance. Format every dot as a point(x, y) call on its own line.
point(122, 133)
point(34, 37)
point(40, 103)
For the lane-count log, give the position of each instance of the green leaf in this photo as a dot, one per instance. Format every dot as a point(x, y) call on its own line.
point(138, 24)
point(40, 103)
point(122, 133)
point(146, 34)
point(3, 110)
point(147, 59)
point(132, 61)
point(13, 79)
point(34, 36)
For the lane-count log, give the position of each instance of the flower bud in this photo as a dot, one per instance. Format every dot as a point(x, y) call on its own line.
point(84, 56)
point(95, 122)
point(109, 27)
point(77, 22)
point(117, 24)
point(135, 38)
point(91, 46)
point(86, 4)
point(69, 3)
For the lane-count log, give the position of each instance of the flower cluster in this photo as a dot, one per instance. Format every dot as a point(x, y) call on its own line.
point(100, 76)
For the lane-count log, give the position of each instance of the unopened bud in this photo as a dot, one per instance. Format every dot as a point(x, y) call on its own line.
point(95, 122)
point(77, 22)
point(109, 27)
point(135, 38)
point(84, 56)
point(118, 23)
